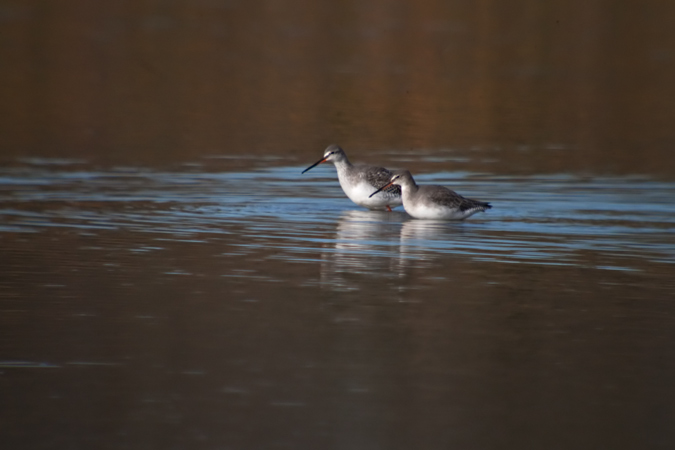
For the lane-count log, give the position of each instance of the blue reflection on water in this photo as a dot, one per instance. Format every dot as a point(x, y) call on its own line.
point(538, 219)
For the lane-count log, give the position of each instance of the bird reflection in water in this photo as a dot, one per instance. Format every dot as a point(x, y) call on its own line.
point(417, 239)
point(376, 246)
point(366, 246)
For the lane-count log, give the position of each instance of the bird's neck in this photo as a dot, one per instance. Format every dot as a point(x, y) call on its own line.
point(343, 165)
point(410, 185)
point(409, 188)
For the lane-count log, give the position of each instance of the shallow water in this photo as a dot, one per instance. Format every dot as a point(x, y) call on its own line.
point(207, 308)
point(169, 279)
point(550, 219)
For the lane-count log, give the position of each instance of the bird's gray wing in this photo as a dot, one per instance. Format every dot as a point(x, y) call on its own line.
point(452, 199)
point(444, 196)
point(378, 177)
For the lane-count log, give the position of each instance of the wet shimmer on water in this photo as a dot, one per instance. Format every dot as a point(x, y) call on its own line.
point(170, 280)
point(551, 219)
point(196, 301)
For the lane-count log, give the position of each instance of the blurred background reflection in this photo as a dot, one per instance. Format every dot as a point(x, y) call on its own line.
point(169, 279)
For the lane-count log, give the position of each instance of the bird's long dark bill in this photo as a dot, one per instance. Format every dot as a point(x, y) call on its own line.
point(380, 189)
point(314, 165)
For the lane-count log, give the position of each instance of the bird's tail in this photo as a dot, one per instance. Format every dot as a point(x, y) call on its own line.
point(475, 205)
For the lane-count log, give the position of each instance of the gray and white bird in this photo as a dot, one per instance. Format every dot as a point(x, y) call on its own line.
point(359, 180)
point(433, 202)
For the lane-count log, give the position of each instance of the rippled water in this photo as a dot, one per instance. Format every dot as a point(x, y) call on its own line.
point(553, 219)
point(170, 280)
point(194, 307)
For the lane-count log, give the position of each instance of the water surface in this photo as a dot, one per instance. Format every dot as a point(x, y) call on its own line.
point(169, 279)
point(201, 307)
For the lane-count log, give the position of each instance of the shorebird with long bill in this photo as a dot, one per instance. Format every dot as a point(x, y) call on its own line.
point(431, 201)
point(359, 180)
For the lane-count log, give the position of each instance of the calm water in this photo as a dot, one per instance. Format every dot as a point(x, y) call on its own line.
point(169, 279)
point(204, 308)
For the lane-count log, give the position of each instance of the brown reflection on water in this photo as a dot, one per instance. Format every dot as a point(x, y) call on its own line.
point(147, 81)
point(248, 333)
point(184, 346)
